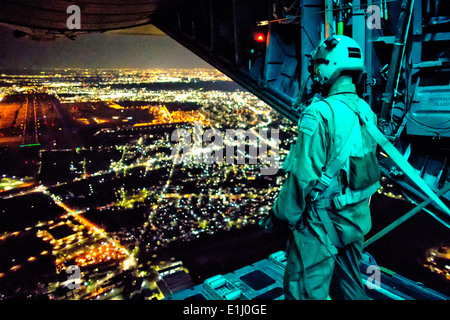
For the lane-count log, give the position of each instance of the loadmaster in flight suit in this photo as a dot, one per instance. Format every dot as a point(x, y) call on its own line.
point(332, 172)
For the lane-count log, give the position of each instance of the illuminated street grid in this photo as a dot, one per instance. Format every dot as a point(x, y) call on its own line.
point(94, 146)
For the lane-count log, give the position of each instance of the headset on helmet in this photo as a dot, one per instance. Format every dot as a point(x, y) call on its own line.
point(334, 56)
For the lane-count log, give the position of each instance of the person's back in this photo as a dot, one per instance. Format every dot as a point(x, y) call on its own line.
point(332, 172)
point(352, 221)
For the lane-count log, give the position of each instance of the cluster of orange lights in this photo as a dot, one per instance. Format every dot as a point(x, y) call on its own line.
point(18, 266)
point(163, 116)
point(100, 254)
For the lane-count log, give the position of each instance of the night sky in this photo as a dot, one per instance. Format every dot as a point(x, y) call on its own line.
point(96, 50)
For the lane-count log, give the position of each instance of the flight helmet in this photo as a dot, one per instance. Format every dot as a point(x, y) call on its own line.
point(333, 57)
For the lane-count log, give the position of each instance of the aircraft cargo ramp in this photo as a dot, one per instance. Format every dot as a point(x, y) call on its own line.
point(263, 280)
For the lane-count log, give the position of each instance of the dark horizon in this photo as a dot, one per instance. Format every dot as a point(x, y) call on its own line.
point(96, 51)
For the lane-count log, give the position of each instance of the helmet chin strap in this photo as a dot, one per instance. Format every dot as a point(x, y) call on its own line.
point(321, 83)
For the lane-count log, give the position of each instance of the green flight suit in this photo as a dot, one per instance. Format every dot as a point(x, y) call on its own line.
point(316, 269)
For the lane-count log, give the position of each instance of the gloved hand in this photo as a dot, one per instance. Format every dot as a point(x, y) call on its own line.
point(269, 222)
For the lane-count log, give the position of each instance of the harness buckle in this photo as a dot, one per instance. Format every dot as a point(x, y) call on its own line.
point(325, 179)
point(316, 195)
point(312, 197)
point(337, 203)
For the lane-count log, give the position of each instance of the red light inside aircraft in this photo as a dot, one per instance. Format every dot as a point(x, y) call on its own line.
point(260, 37)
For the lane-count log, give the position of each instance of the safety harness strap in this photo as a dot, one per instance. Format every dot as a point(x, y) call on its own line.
point(351, 197)
point(398, 158)
point(336, 164)
point(321, 205)
point(329, 226)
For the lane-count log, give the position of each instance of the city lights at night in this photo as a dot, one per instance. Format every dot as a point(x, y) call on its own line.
point(231, 151)
point(94, 146)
